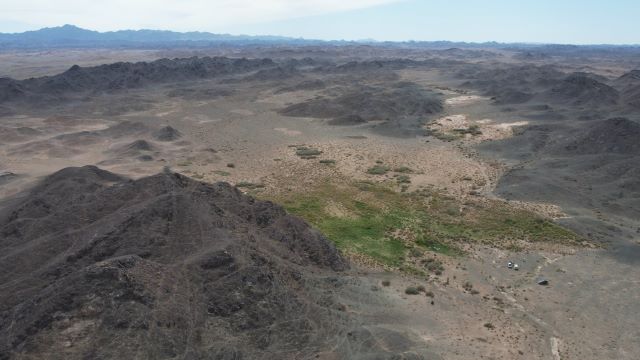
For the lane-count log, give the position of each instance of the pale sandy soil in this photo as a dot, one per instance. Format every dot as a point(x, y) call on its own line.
point(464, 99)
point(490, 130)
point(571, 318)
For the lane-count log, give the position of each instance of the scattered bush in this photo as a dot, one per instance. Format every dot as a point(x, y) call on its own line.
point(429, 294)
point(304, 151)
point(411, 291)
point(467, 286)
point(412, 270)
point(222, 173)
point(378, 170)
point(403, 179)
point(386, 283)
point(489, 326)
point(446, 137)
point(473, 130)
point(433, 265)
point(403, 169)
point(328, 162)
point(453, 210)
point(249, 185)
point(231, 165)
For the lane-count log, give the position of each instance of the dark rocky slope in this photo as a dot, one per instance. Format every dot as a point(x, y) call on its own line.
point(369, 103)
point(579, 89)
point(96, 266)
point(588, 168)
point(510, 85)
point(629, 87)
point(124, 75)
point(616, 135)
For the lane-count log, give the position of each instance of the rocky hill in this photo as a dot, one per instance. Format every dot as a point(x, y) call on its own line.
point(579, 89)
point(95, 265)
point(629, 87)
point(369, 103)
point(616, 135)
point(125, 75)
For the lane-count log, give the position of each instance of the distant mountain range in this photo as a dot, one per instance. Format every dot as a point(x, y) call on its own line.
point(70, 36)
point(73, 36)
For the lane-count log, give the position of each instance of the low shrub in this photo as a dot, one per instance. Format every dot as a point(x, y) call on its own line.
point(411, 291)
point(305, 151)
point(403, 179)
point(403, 169)
point(249, 185)
point(378, 170)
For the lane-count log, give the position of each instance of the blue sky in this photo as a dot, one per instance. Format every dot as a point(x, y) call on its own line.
point(559, 21)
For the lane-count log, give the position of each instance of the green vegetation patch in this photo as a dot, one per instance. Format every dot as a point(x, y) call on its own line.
point(365, 232)
point(386, 225)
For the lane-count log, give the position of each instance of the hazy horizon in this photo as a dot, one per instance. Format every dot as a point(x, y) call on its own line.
point(541, 22)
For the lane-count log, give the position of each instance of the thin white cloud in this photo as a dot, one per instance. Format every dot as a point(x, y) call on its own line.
point(181, 15)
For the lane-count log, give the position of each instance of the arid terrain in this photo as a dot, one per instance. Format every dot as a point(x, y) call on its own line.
point(419, 174)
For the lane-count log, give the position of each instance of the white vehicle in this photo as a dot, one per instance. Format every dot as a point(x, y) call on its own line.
point(510, 265)
point(516, 267)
